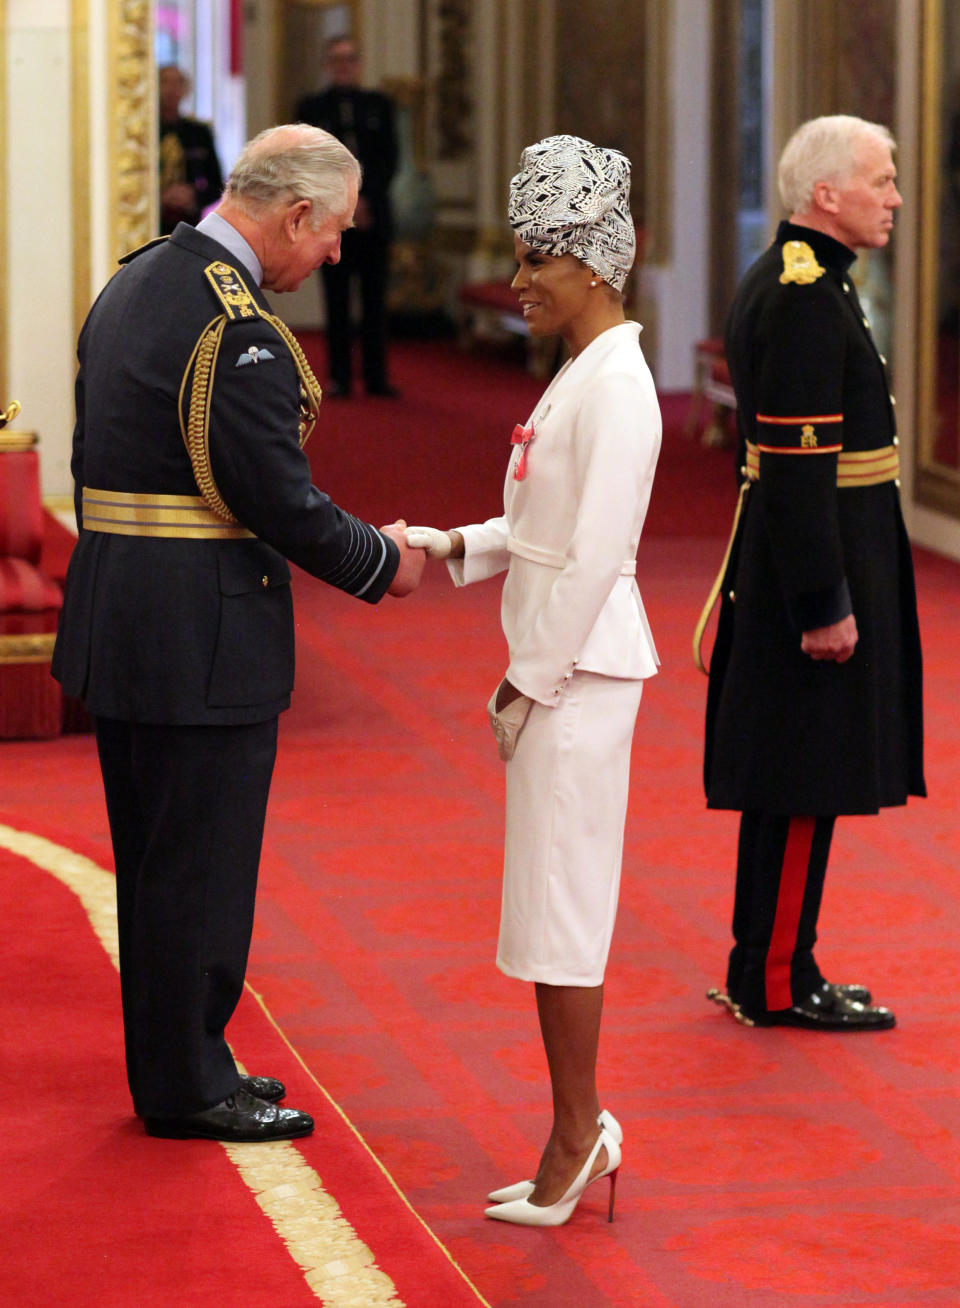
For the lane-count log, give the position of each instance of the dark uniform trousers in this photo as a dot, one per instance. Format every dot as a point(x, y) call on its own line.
point(781, 866)
point(364, 255)
point(184, 907)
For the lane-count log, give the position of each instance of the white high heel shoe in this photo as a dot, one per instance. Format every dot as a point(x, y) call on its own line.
point(523, 1213)
point(524, 1189)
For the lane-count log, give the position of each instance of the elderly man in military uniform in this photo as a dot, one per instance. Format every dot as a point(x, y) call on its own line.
point(192, 492)
point(814, 703)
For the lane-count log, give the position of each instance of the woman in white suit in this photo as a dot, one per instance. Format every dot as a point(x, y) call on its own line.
point(576, 494)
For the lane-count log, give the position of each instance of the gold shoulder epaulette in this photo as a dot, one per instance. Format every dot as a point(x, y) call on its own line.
point(232, 291)
point(800, 264)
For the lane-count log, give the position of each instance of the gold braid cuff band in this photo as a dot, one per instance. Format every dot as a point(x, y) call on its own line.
point(854, 468)
point(183, 517)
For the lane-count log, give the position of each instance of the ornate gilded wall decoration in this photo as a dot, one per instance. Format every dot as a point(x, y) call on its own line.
point(615, 108)
point(452, 101)
point(131, 119)
point(80, 161)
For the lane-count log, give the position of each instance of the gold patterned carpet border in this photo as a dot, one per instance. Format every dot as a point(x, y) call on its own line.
point(337, 1265)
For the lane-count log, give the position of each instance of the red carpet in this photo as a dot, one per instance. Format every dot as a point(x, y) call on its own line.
point(762, 1169)
point(95, 1212)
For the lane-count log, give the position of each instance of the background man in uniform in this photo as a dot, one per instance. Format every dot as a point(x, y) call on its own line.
point(192, 492)
point(814, 705)
point(190, 177)
point(364, 121)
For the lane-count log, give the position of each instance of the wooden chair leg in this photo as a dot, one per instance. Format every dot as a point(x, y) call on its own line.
point(715, 434)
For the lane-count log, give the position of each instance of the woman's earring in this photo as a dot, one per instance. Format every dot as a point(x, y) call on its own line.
point(594, 282)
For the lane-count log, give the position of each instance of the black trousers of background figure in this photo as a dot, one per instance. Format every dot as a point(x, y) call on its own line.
point(364, 256)
point(186, 807)
point(781, 865)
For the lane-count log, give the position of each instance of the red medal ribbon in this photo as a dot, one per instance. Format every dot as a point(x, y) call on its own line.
point(522, 436)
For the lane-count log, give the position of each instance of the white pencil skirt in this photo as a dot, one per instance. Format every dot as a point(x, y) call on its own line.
point(567, 788)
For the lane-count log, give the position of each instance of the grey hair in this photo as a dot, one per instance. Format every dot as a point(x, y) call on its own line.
point(824, 150)
point(292, 162)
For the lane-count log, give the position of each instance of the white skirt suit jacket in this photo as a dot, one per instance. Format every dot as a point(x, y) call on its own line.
point(579, 647)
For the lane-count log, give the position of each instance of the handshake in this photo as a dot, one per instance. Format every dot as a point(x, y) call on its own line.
point(437, 544)
point(416, 545)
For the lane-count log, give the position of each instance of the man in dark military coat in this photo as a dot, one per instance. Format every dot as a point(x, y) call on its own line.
point(814, 702)
point(192, 492)
point(190, 178)
point(364, 121)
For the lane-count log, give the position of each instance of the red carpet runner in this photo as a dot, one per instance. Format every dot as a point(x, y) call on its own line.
point(762, 1169)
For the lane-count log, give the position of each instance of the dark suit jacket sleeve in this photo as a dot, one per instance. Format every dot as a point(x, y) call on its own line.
point(305, 112)
point(382, 155)
point(264, 476)
point(213, 188)
point(800, 369)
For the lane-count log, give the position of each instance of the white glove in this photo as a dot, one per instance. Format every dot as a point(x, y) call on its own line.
point(508, 723)
point(436, 543)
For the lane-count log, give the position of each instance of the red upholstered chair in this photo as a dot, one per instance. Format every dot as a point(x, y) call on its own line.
point(30, 601)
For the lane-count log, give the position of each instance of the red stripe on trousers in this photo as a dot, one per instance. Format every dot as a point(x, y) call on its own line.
point(783, 941)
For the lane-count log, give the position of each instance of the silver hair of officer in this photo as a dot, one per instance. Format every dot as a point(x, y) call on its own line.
point(824, 150)
point(292, 162)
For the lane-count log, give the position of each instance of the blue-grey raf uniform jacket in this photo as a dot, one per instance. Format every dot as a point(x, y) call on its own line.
point(159, 629)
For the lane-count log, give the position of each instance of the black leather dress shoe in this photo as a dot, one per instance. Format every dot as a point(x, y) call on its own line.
point(261, 1087)
point(264, 1087)
point(859, 994)
point(826, 1010)
point(239, 1117)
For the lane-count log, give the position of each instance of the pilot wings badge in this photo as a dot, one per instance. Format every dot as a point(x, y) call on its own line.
point(255, 354)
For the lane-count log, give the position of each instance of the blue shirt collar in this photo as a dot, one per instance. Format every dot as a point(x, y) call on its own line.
point(225, 234)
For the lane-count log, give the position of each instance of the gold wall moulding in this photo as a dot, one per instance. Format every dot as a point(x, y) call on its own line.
point(453, 102)
point(80, 162)
point(937, 481)
point(131, 119)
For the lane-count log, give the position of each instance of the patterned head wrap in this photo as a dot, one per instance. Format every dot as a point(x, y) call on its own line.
point(571, 197)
